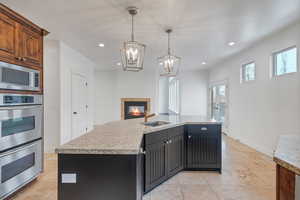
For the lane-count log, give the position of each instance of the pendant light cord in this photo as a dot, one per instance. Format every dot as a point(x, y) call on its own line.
point(132, 28)
point(169, 48)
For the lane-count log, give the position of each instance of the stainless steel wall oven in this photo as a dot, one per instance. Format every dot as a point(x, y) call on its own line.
point(21, 133)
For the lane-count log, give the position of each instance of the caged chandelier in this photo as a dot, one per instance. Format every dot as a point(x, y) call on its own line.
point(169, 64)
point(132, 52)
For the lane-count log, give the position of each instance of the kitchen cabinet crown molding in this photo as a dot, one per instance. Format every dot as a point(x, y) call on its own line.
point(22, 20)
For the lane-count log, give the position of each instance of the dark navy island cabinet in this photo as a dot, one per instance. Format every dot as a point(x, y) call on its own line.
point(164, 155)
point(128, 177)
point(189, 147)
point(204, 147)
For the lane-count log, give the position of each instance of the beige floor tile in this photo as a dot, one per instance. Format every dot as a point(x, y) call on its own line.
point(198, 192)
point(246, 175)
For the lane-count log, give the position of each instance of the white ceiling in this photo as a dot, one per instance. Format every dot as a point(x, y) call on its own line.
point(202, 28)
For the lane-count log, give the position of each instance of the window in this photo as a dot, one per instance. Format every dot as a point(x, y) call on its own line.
point(285, 61)
point(248, 72)
point(173, 95)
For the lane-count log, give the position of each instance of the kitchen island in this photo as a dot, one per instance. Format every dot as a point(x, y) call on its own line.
point(125, 159)
point(287, 158)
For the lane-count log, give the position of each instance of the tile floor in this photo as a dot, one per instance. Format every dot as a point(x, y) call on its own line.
point(247, 175)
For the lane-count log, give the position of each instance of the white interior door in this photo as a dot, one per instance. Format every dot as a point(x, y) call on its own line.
point(79, 105)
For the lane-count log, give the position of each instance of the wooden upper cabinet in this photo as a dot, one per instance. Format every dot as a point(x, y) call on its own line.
point(8, 38)
point(31, 47)
point(21, 41)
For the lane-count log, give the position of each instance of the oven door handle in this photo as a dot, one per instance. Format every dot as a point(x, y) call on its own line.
point(20, 107)
point(17, 150)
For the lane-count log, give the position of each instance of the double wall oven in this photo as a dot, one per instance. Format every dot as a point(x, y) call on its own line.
point(21, 127)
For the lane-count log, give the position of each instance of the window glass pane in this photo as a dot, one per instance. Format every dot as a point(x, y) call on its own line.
point(248, 72)
point(286, 62)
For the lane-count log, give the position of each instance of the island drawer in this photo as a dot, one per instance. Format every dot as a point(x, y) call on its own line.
point(212, 129)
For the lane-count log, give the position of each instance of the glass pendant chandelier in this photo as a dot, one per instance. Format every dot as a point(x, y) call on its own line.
point(169, 64)
point(132, 52)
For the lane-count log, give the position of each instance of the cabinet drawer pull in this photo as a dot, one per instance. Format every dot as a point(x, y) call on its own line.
point(23, 59)
point(203, 129)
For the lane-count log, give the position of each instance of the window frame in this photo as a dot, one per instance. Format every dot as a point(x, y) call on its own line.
point(242, 70)
point(274, 63)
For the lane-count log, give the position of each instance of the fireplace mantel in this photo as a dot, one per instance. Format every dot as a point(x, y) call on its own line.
point(123, 100)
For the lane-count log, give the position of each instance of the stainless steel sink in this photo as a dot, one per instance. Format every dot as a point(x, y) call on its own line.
point(156, 123)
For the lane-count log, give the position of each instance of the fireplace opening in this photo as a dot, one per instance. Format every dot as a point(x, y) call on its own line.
point(135, 109)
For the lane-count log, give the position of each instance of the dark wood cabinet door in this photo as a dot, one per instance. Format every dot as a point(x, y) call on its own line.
point(204, 147)
point(175, 154)
point(8, 38)
point(155, 165)
point(31, 47)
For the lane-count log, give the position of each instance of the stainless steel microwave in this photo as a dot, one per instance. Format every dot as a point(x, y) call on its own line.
point(19, 166)
point(19, 125)
point(14, 77)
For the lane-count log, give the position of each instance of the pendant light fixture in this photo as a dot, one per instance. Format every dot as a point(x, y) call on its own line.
point(132, 52)
point(169, 64)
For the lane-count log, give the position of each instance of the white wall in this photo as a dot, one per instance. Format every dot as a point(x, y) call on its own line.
point(193, 92)
point(262, 110)
point(51, 95)
point(104, 96)
point(72, 61)
point(60, 62)
point(114, 85)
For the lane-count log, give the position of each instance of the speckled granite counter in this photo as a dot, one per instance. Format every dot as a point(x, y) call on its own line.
point(287, 153)
point(122, 137)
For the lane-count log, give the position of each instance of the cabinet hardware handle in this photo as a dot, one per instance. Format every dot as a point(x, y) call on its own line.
point(18, 58)
point(203, 129)
point(23, 59)
point(74, 113)
point(190, 136)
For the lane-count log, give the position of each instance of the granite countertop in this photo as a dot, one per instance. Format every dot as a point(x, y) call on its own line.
point(287, 153)
point(123, 136)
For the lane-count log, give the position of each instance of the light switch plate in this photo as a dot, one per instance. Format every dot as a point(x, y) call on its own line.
point(68, 178)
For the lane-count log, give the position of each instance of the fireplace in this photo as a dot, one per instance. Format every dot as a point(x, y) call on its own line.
point(134, 107)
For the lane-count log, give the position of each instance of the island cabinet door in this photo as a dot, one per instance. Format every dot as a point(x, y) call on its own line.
point(204, 147)
point(155, 168)
point(175, 151)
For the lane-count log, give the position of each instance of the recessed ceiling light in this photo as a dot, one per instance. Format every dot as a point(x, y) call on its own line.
point(118, 63)
point(231, 44)
point(101, 45)
point(204, 63)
